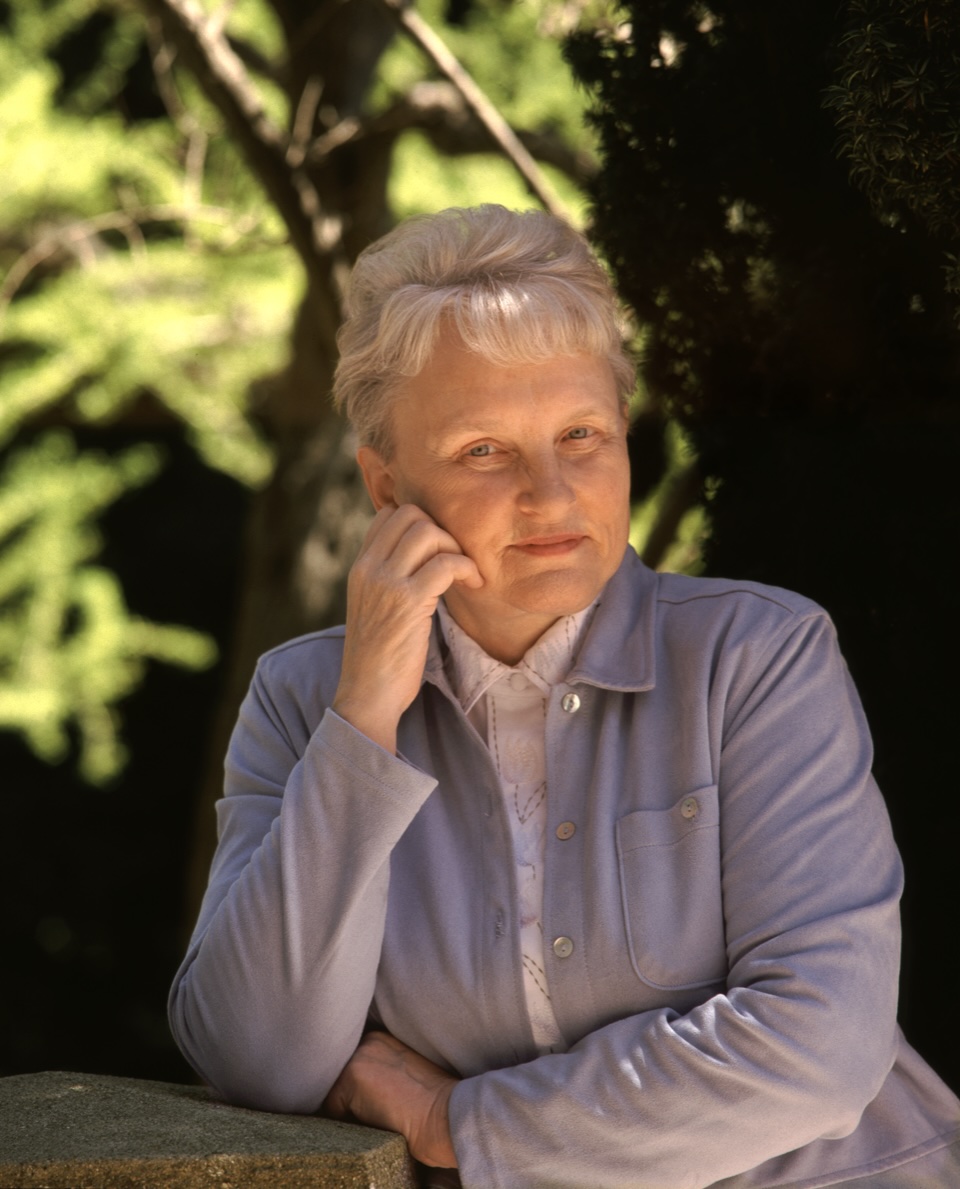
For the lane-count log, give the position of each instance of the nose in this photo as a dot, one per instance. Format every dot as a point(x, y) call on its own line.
point(545, 490)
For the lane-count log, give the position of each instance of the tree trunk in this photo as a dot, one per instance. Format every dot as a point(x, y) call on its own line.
point(306, 525)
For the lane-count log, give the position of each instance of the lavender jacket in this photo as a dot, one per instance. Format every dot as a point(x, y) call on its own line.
point(725, 910)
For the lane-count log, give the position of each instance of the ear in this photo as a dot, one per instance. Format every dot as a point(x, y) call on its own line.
point(377, 475)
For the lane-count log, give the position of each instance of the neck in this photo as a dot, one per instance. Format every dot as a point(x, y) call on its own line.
point(506, 641)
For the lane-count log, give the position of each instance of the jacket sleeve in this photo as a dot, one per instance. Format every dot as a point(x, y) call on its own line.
point(271, 999)
point(802, 1035)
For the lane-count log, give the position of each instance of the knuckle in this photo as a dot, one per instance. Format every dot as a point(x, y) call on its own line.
point(421, 527)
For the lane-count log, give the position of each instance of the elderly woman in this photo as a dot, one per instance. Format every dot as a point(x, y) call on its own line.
point(573, 873)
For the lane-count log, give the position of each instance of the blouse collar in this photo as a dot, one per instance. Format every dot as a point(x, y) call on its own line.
point(471, 671)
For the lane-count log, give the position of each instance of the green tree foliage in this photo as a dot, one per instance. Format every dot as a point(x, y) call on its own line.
point(125, 282)
point(122, 284)
point(69, 647)
point(171, 250)
point(802, 333)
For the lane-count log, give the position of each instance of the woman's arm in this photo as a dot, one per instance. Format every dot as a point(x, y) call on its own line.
point(271, 999)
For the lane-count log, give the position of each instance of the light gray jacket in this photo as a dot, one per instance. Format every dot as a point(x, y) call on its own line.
point(730, 891)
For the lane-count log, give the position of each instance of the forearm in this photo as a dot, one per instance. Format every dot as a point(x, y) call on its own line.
point(686, 1099)
point(274, 993)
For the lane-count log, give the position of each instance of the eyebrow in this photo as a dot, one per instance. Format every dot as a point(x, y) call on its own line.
point(463, 429)
point(467, 428)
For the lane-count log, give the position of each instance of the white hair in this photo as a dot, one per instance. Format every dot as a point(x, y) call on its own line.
point(518, 287)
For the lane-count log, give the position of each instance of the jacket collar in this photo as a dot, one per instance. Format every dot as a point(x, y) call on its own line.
point(618, 648)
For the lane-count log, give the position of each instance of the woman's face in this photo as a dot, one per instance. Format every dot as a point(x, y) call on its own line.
point(526, 467)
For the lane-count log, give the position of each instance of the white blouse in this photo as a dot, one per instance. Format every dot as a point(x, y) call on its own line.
point(507, 707)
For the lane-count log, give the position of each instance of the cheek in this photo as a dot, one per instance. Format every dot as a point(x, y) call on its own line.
point(421, 495)
point(462, 516)
point(474, 509)
point(615, 493)
point(468, 522)
point(609, 514)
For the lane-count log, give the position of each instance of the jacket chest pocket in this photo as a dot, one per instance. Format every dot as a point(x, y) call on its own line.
point(670, 887)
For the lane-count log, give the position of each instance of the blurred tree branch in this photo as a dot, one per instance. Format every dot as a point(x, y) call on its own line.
point(497, 127)
point(203, 46)
point(72, 236)
point(440, 111)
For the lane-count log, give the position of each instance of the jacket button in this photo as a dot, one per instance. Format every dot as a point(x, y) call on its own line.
point(689, 808)
point(570, 703)
point(566, 830)
point(563, 947)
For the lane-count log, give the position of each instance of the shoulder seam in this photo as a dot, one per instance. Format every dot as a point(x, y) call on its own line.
point(334, 633)
point(811, 609)
point(798, 605)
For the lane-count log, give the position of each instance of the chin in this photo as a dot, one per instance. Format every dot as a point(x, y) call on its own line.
point(556, 594)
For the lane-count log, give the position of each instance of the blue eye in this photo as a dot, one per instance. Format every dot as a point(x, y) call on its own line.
point(481, 451)
point(579, 433)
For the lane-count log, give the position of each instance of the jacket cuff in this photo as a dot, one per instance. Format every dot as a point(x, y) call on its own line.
point(393, 774)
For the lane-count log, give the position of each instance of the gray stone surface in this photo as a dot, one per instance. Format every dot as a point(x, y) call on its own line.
point(80, 1131)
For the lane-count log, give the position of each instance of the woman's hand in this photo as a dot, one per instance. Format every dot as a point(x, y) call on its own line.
point(406, 563)
point(386, 1084)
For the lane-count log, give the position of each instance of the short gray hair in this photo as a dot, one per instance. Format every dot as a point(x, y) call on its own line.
point(518, 287)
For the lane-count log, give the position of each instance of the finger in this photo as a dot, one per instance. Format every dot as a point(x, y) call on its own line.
point(421, 526)
point(423, 541)
point(439, 573)
point(421, 563)
point(389, 526)
point(334, 1106)
point(406, 540)
point(376, 527)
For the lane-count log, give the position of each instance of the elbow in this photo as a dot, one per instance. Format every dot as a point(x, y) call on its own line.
point(261, 1069)
point(854, 1079)
point(275, 1096)
point(859, 1044)
point(254, 1078)
point(844, 1070)
point(825, 1060)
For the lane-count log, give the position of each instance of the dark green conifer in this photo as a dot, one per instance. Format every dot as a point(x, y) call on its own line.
point(778, 197)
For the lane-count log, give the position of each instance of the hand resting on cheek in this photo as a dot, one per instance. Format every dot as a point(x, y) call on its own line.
point(405, 564)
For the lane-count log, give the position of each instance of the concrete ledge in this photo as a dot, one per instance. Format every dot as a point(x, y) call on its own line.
point(80, 1131)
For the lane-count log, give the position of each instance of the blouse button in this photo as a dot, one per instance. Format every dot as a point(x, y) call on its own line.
point(563, 947)
point(566, 830)
point(689, 808)
point(570, 703)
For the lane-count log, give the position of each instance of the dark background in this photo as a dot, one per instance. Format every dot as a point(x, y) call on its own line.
point(94, 881)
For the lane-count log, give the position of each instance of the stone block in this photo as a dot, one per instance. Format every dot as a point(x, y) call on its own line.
point(82, 1131)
